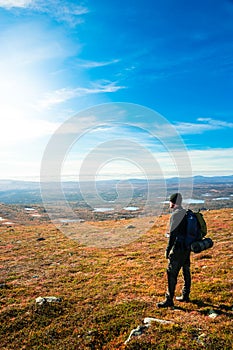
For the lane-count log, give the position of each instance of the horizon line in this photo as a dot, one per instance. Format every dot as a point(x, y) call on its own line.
point(19, 179)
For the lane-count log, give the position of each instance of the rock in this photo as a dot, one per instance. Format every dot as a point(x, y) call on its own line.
point(136, 332)
point(131, 226)
point(149, 320)
point(212, 314)
point(40, 239)
point(147, 323)
point(45, 300)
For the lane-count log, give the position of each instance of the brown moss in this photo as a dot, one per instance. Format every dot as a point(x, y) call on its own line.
point(107, 292)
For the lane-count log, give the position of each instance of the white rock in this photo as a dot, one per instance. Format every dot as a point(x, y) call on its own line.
point(212, 314)
point(147, 323)
point(136, 332)
point(149, 320)
point(43, 300)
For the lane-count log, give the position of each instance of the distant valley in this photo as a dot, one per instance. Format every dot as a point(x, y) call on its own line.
point(21, 201)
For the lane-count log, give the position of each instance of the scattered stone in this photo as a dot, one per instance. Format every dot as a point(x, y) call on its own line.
point(136, 332)
point(44, 300)
point(147, 323)
point(35, 276)
point(40, 239)
point(149, 320)
point(3, 286)
point(212, 314)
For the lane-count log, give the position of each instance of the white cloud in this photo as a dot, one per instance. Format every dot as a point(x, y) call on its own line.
point(94, 64)
point(15, 3)
point(203, 124)
point(61, 10)
point(65, 94)
point(193, 128)
point(216, 123)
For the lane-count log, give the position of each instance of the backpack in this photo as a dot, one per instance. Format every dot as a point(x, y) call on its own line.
point(196, 227)
point(201, 223)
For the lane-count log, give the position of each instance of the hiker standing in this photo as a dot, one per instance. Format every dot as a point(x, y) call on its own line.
point(177, 253)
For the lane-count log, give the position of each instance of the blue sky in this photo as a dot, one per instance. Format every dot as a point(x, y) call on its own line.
point(61, 57)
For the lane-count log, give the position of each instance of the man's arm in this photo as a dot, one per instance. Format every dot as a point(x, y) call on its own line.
point(175, 221)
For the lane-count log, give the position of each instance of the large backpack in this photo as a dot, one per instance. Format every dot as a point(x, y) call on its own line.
point(196, 227)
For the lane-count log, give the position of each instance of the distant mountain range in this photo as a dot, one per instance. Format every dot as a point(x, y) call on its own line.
point(7, 185)
point(213, 179)
point(217, 188)
point(205, 179)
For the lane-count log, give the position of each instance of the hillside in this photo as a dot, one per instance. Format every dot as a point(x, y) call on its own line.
point(105, 293)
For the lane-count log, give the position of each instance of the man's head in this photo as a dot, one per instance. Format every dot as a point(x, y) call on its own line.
point(175, 199)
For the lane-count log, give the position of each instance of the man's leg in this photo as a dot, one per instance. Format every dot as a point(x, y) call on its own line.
point(172, 274)
point(173, 269)
point(187, 278)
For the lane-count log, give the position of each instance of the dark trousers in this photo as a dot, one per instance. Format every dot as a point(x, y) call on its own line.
point(178, 259)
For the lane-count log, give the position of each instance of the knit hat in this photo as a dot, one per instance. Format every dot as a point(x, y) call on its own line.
point(176, 198)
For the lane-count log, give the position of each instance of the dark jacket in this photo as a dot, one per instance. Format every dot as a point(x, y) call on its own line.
point(177, 229)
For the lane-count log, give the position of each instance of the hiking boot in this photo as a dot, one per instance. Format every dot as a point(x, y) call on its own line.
point(166, 303)
point(183, 298)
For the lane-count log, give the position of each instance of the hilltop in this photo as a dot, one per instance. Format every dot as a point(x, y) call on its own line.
point(105, 293)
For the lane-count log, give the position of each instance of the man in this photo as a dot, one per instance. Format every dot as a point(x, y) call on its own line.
point(177, 253)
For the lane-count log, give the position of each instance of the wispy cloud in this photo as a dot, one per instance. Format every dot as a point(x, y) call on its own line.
point(95, 64)
point(65, 94)
point(61, 10)
point(216, 123)
point(8, 4)
point(202, 125)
